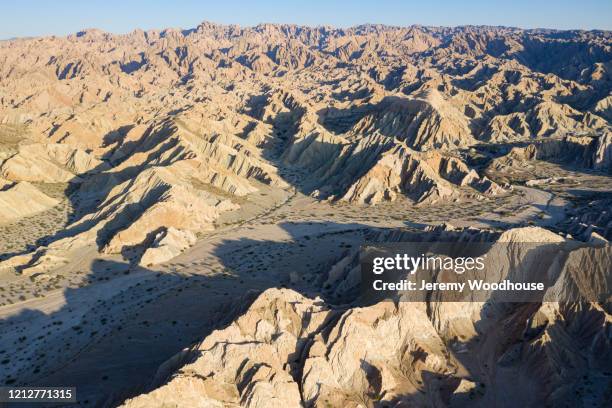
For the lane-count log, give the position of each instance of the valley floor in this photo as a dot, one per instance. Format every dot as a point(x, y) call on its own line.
point(108, 325)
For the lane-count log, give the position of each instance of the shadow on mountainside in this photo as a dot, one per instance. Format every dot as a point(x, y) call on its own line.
point(109, 336)
point(308, 164)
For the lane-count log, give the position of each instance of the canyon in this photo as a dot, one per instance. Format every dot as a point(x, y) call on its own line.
point(181, 212)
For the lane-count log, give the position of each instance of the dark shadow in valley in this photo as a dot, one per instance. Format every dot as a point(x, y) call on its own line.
point(489, 359)
point(86, 191)
point(113, 333)
point(114, 330)
point(122, 322)
point(514, 350)
point(568, 156)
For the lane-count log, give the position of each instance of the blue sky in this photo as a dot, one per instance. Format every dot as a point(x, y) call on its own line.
point(60, 17)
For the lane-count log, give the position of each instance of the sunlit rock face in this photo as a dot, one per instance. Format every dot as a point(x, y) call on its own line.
point(287, 349)
point(170, 172)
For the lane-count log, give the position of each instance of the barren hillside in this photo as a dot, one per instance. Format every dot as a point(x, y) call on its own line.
point(158, 176)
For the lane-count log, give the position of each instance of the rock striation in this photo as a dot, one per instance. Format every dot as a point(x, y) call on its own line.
point(289, 350)
point(168, 129)
point(14, 195)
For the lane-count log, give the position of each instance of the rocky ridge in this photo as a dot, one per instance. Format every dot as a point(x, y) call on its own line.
point(153, 127)
point(290, 350)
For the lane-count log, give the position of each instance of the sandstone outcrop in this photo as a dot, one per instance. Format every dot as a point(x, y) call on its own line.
point(49, 163)
point(288, 350)
point(427, 178)
point(602, 157)
point(153, 200)
point(149, 139)
point(581, 151)
point(374, 169)
point(363, 114)
point(166, 245)
point(13, 199)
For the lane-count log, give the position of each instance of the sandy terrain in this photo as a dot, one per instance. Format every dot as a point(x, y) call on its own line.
point(176, 175)
point(126, 320)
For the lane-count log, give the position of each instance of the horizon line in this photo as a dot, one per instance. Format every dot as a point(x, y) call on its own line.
point(335, 27)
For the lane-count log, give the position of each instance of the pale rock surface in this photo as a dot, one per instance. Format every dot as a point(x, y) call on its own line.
point(238, 107)
point(164, 130)
point(166, 245)
point(602, 158)
point(249, 362)
point(581, 151)
point(50, 163)
point(22, 199)
point(288, 350)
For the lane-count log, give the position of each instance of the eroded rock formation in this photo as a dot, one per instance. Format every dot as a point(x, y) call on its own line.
point(289, 350)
